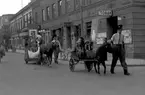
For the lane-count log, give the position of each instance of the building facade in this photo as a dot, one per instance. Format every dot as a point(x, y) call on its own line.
point(19, 26)
point(70, 19)
point(4, 27)
point(65, 17)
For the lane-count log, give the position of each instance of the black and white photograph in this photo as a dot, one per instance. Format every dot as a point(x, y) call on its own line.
point(72, 47)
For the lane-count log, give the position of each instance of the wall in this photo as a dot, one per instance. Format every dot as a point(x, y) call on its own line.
point(139, 32)
point(132, 19)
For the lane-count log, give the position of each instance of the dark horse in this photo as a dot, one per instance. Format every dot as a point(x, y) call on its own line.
point(100, 57)
point(47, 49)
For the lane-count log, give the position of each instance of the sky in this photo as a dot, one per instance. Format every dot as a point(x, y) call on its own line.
point(11, 6)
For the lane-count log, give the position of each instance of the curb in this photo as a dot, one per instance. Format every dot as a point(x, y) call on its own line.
point(130, 65)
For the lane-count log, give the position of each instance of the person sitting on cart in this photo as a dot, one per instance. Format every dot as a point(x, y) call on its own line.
point(79, 51)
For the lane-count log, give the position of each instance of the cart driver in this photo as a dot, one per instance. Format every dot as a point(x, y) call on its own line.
point(79, 50)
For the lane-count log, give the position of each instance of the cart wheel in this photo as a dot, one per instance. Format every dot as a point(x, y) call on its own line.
point(45, 60)
point(71, 65)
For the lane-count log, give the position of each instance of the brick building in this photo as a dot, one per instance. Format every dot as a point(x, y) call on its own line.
point(64, 18)
point(4, 27)
point(19, 26)
point(99, 17)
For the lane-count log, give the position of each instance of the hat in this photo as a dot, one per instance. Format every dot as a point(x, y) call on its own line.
point(120, 27)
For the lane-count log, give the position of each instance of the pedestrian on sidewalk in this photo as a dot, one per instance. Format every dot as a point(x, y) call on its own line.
point(118, 51)
point(2, 52)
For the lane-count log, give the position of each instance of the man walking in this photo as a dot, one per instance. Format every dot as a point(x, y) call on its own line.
point(58, 48)
point(118, 51)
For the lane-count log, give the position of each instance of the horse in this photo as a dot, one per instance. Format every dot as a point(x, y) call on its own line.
point(47, 49)
point(100, 56)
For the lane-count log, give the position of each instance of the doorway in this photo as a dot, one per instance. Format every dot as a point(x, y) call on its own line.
point(88, 29)
point(112, 26)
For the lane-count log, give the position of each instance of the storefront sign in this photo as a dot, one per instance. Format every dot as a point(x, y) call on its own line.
point(105, 12)
point(100, 37)
point(127, 36)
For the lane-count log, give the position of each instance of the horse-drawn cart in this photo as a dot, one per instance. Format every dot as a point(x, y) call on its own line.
point(88, 58)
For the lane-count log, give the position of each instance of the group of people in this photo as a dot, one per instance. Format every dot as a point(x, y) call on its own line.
point(39, 41)
point(117, 49)
point(116, 43)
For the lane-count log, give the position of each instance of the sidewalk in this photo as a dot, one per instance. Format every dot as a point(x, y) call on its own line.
point(130, 61)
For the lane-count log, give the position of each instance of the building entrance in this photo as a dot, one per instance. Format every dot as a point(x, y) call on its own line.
point(112, 26)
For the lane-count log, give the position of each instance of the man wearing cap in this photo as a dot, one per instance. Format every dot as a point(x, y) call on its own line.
point(118, 51)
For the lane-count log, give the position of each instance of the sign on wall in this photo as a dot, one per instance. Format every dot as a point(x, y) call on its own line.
point(100, 37)
point(33, 32)
point(127, 36)
point(105, 12)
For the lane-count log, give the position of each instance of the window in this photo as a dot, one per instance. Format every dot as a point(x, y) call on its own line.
point(31, 21)
point(20, 23)
point(89, 2)
point(68, 5)
point(60, 7)
point(28, 18)
point(88, 28)
point(36, 17)
point(43, 15)
point(25, 21)
point(48, 13)
point(54, 10)
point(84, 2)
point(77, 4)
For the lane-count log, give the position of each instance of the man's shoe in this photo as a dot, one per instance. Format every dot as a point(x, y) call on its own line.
point(127, 74)
point(112, 71)
point(56, 62)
